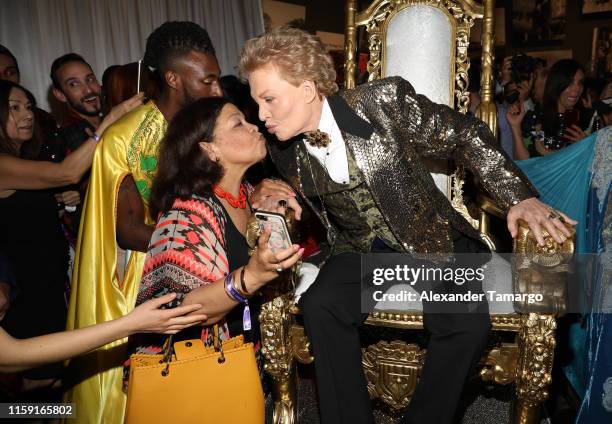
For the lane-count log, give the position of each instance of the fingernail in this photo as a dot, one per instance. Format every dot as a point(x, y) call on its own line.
point(301, 251)
point(296, 246)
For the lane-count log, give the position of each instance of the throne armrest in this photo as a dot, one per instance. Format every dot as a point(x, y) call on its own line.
point(488, 205)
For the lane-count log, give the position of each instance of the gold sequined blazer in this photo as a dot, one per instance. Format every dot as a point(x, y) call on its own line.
point(389, 129)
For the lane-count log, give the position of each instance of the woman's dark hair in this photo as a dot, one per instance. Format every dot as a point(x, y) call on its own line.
point(560, 77)
point(5, 51)
point(183, 169)
point(31, 148)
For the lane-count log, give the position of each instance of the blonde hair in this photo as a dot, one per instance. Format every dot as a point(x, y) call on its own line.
point(298, 55)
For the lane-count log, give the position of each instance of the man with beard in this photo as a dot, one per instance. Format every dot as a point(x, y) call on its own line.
point(75, 85)
point(115, 214)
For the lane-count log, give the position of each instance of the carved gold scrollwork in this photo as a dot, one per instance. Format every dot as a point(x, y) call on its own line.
point(275, 323)
point(300, 345)
point(500, 364)
point(374, 45)
point(376, 17)
point(392, 370)
point(487, 111)
point(534, 368)
point(350, 45)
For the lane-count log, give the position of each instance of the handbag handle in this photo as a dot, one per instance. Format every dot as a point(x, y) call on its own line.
point(167, 358)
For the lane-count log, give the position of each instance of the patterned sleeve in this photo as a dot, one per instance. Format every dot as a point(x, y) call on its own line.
point(187, 250)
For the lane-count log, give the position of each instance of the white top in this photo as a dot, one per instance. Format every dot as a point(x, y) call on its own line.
point(333, 157)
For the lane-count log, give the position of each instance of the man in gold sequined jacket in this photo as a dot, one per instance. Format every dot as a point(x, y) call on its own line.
point(356, 159)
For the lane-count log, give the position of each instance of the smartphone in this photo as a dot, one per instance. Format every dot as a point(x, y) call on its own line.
point(279, 237)
point(571, 117)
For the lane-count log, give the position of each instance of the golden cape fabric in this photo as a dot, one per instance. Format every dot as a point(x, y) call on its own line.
point(129, 147)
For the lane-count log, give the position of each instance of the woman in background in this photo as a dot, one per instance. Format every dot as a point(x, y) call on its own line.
point(31, 236)
point(556, 124)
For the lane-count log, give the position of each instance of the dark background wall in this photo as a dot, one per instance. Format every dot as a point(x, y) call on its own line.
point(328, 15)
point(578, 28)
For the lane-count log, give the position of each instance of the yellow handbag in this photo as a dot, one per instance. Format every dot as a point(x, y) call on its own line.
point(216, 385)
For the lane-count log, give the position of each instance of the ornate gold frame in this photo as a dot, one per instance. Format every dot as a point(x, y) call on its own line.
point(461, 16)
point(380, 13)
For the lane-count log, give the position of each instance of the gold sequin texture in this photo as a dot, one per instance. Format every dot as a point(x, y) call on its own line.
point(408, 127)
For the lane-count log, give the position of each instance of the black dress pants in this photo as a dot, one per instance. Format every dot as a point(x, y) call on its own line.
point(332, 314)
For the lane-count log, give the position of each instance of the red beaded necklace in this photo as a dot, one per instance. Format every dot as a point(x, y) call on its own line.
point(234, 202)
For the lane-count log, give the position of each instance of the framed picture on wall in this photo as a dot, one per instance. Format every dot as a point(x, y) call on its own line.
point(537, 22)
point(279, 13)
point(597, 8)
point(601, 53)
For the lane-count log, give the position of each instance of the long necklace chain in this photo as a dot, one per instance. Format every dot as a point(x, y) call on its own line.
point(314, 182)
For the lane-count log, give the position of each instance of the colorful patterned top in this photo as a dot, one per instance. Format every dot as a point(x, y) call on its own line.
point(189, 248)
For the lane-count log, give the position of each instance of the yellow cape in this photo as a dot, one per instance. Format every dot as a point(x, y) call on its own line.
point(127, 147)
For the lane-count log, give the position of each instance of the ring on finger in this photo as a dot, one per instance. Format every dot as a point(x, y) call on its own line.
point(553, 214)
point(279, 269)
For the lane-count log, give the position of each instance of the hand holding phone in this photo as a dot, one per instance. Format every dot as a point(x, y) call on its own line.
point(279, 233)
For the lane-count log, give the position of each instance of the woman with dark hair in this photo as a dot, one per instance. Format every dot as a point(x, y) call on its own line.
point(200, 199)
point(557, 123)
point(31, 236)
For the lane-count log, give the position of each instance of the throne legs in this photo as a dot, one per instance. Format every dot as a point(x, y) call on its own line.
point(283, 342)
point(536, 341)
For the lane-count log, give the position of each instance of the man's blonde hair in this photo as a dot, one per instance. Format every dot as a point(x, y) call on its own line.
point(298, 55)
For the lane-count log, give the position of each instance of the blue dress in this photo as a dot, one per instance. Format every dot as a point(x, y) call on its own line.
point(577, 180)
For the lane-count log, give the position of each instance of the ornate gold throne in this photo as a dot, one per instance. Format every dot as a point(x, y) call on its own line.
point(426, 42)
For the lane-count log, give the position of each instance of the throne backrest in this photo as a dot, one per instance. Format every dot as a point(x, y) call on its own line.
point(425, 42)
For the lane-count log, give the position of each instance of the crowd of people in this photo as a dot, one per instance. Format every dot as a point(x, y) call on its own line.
point(139, 201)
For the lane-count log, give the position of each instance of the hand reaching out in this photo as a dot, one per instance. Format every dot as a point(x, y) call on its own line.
point(149, 318)
point(120, 110)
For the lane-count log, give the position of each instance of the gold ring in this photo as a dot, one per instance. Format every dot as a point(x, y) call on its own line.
point(553, 215)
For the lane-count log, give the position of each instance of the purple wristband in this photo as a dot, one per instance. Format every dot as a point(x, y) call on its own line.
point(231, 290)
point(234, 294)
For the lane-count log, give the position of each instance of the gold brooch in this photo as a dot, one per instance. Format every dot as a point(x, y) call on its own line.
point(317, 138)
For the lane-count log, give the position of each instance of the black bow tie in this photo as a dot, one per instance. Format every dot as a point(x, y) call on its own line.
point(317, 138)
